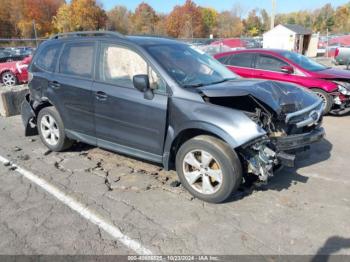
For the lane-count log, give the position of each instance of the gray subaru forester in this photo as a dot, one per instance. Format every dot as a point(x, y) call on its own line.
point(167, 102)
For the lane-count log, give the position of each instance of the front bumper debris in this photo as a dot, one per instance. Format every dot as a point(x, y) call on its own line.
point(341, 109)
point(292, 142)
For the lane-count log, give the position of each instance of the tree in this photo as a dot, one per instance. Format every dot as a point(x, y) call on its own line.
point(144, 19)
point(252, 24)
point(20, 14)
point(7, 27)
point(80, 15)
point(229, 25)
point(342, 19)
point(185, 21)
point(266, 21)
point(119, 19)
point(210, 20)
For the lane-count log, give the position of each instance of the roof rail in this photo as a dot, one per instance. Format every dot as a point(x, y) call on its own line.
point(87, 33)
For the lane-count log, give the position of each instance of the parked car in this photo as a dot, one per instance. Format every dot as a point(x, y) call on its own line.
point(342, 55)
point(167, 102)
point(330, 84)
point(8, 56)
point(16, 72)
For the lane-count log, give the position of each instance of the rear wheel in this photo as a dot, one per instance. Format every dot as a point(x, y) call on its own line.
point(51, 130)
point(8, 79)
point(208, 168)
point(326, 98)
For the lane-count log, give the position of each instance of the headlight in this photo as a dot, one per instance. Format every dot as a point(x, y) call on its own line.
point(343, 90)
point(343, 87)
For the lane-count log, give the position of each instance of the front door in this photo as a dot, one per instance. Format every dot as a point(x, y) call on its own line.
point(125, 120)
point(269, 67)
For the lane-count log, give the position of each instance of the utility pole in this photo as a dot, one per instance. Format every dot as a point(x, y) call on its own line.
point(273, 13)
point(35, 34)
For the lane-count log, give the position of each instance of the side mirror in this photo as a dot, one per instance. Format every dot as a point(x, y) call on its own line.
point(141, 83)
point(287, 69)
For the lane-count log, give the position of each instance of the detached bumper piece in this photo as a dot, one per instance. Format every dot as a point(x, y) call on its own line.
point(28, 117)
point(292, 142)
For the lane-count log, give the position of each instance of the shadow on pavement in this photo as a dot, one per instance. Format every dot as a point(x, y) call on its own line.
point(331, 246)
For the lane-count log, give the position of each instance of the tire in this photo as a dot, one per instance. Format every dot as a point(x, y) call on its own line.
point(51, 130)
point(9, 79)
point(327, 99)
point(224, 161)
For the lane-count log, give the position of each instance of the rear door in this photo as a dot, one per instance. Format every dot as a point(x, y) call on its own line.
point(70, 88)
point(241, 64)
point(125, 120)
point(42, 68)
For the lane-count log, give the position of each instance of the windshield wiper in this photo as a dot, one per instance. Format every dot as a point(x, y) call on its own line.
point(208, 84)
point(221, 81)
point(193, 85)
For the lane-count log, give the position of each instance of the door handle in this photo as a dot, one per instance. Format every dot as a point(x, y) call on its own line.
point(102, 96)
point(54, 84)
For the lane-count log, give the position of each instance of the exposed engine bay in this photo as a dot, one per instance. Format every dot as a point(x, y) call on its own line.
point(287, 131)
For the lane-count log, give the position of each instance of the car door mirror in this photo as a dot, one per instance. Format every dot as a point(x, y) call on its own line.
point(287, 69)
point(141, 83)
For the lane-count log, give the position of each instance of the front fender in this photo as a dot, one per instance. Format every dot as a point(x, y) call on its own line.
point(232, 126)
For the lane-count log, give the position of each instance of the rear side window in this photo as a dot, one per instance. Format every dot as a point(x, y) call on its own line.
point(77, 59)
point(270, 63)
point(47, 58)
point(241, 60)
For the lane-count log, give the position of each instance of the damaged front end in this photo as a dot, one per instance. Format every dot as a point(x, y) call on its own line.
point(290, 116)
point(341, 98)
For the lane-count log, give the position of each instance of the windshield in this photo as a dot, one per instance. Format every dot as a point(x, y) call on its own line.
point(304, 62)
point(188, 66)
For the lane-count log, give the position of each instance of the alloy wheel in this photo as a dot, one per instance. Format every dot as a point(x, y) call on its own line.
point(324, 99)
point(49, 130)
point(202, 172)
point(8, 79)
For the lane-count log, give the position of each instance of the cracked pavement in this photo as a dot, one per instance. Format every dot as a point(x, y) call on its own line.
point(304, 210)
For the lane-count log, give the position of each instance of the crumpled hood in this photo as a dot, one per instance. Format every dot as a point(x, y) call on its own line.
point(279, 96)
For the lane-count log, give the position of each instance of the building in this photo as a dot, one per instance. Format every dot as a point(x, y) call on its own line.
point(288, 37)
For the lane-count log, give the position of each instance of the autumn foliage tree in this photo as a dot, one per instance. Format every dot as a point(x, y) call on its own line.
point(185, 21)
point(17, 16)
point(119, 19)
point(144, 19)
point(210, 20)
point(80, 15)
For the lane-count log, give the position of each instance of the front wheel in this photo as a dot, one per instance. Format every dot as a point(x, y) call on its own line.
point(208, 168)
point(326, 98)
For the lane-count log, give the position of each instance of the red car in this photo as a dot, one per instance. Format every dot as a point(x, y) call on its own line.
point(15, 72)
point(332, 85)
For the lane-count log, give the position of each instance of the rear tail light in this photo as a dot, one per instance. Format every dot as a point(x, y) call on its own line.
point(336, 52)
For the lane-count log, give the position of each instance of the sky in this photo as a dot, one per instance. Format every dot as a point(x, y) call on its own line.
point(283, 6)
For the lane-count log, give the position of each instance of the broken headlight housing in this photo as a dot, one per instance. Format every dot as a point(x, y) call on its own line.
point(344, 88)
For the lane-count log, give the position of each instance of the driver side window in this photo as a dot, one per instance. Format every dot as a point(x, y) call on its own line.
point(118, 65)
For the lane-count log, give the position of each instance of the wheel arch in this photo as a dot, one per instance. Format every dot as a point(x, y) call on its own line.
point(176, 139)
